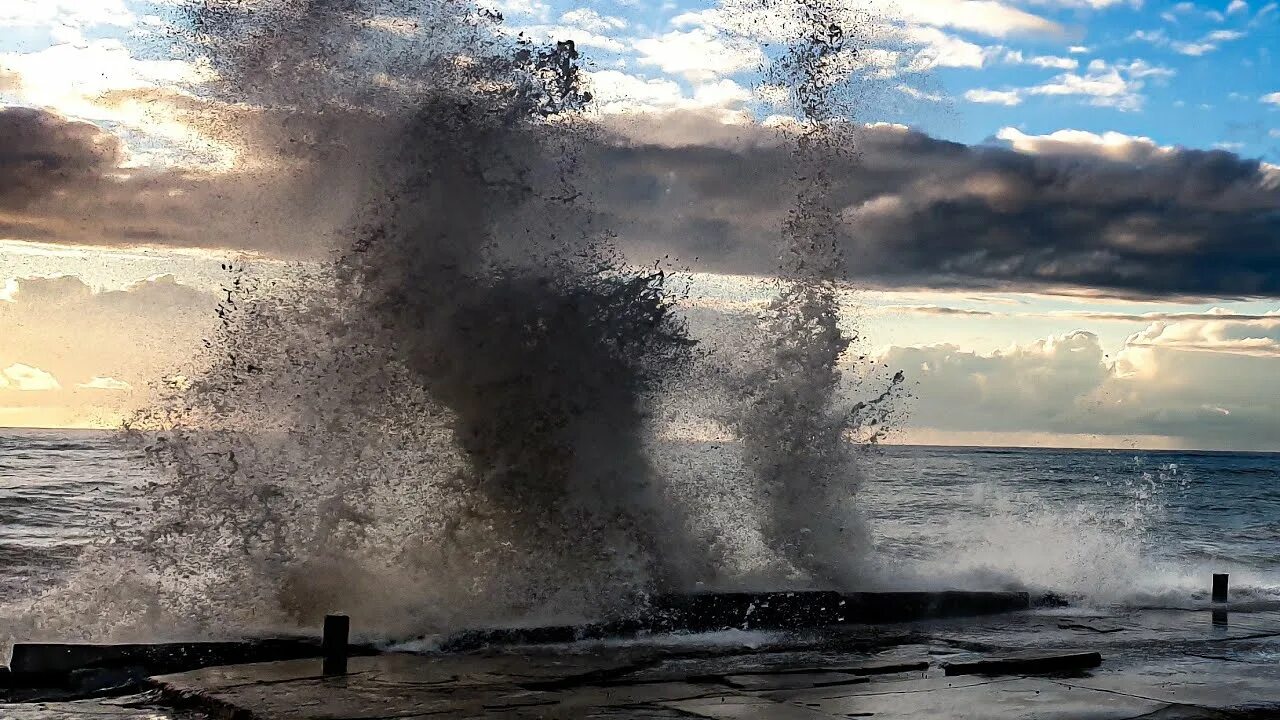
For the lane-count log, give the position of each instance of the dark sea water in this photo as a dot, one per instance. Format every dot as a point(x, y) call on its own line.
point(58, 490)
point(1113, 527)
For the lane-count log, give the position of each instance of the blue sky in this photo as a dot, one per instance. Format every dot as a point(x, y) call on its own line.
point(1180, 73)
point(1191, 74)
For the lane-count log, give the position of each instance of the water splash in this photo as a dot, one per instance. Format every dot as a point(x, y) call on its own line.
point(446, 424)
point(795, 434)
point(482, 360)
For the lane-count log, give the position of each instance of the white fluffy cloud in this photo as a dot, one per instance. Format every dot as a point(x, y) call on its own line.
point(72, 79)
point(896, 38)
point(1200, 383)
point(1259, 337)
point(26, 378)
point(992, 18)
point(987, 17)
point(1111, 144)
point(1096, 4)
point(1105, 86)
point(99, 340)
point(75, 13)
point(935, 49)
point(619, 92)
point(581, 36)
point(589, 19)
point(105, 383)
point(518, 8)
point(1101, 84)
point(1053, 62)
point(1008, 98)
point(700, 54)
point(1204, 45)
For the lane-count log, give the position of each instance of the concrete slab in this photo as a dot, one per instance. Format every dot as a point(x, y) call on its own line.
point(671, 666)
point(783, 681)
point(746, 708)
point(994, 700)
point(124, 708)
point(79, 710)
point(1161, 664)
point(617, 695)
point(815, 696)
point(1132, 635)
point(1203, 683)
point(1090, 625)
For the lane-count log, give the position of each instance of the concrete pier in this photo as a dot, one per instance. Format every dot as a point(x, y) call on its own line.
point(54, 664)
point(1047, 662)
point(1038, 664)
point(797, 610)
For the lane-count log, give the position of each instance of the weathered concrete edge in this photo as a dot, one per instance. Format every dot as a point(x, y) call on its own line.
point(182, 699)
point(784, 610)
point(1248, 711)
point(53, 665)
point(867, 670)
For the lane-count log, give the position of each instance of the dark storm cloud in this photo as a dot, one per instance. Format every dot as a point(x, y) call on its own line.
point(935, 310)
point(62, 180)
point(42, 154)
point(920, 211)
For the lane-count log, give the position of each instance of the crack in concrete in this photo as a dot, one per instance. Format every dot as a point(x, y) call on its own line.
point(1223, 658)
point(1168, 706)
point(595, 677)
point(1257, 636)
point(1123, 694)
point(264, 683)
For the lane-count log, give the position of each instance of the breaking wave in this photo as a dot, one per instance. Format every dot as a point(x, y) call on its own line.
point(451, 421)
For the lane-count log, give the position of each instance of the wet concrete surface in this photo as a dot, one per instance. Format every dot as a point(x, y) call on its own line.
point(1166, 664)
point(147, 706)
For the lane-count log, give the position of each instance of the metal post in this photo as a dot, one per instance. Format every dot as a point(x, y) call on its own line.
point(1220, 587)
point(334, 644)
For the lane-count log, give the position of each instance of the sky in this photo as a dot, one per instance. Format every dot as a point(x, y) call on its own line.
point(1062, 216)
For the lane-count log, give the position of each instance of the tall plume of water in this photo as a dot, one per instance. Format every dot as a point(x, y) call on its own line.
point(443, 425)
point(796, 432)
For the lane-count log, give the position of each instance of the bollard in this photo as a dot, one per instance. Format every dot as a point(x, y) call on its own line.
point(1220, 587)
point(334, 644)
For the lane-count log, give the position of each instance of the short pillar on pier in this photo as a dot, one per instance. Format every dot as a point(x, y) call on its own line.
point(1220, 587)
point(334, 644)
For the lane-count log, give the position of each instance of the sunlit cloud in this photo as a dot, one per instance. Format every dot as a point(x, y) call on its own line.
point(26, 378)
point(105, 383)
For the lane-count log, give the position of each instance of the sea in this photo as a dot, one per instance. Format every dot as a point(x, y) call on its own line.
point(1110, 527)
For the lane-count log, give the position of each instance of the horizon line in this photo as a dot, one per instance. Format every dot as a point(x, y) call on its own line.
point(882, 443)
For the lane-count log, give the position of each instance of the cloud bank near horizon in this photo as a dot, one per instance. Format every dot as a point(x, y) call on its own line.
point(74, 353)
point(1203, 383)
